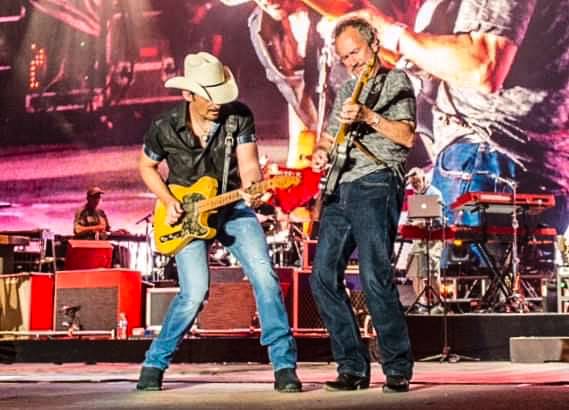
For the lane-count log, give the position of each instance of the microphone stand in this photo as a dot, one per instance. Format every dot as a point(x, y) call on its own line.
point(148, 241)
point(517, 298)
point(428, 291)
point(446, 355)
point(324, 63)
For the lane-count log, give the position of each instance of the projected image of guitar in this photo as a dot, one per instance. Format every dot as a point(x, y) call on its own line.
point(199, 201)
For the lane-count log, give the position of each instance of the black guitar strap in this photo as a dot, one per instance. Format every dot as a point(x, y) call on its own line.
point(230, 129)
point(370, 102)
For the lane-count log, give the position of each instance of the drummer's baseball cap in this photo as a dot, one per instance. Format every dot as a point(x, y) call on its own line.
point(94, 191)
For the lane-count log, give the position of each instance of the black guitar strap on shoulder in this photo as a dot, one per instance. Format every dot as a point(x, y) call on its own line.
point(230, 129)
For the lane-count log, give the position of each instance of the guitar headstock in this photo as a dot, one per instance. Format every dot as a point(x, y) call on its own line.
point(368, 70)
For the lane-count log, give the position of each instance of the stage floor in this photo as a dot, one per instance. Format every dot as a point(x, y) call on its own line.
point(462, 385)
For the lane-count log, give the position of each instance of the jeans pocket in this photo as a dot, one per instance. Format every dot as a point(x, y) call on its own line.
point(459, 158)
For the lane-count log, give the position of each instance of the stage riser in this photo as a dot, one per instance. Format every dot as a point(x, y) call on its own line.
point(486, 337)
point(539, 349)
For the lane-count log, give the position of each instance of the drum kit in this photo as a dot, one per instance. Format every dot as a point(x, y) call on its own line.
point(285, 241)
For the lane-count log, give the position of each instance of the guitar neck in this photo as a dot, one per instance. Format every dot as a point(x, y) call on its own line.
point(363, 79)
point(232, 196)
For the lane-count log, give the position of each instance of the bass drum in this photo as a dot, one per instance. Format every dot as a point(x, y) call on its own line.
point(219, 255)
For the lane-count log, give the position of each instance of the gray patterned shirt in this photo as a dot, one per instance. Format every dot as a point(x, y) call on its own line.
point(390, 94)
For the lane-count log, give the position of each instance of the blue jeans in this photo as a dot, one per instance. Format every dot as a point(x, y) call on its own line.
point(362, 214)
point(242, 234)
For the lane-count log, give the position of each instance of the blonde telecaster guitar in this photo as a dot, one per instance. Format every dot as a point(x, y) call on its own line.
point(199, 201)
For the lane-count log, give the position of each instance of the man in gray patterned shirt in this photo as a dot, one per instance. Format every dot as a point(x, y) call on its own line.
point(363, 212)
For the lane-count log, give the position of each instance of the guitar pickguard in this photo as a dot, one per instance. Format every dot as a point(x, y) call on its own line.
point(190, 225)
point(190, 222)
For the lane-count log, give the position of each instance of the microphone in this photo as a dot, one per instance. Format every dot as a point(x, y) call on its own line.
point(507, 181)
point(144, 218)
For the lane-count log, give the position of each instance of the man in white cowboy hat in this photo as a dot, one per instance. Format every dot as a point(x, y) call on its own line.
point(191, 138)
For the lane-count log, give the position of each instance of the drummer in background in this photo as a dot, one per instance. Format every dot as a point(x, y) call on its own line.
point(417, 262)
point(90, 221)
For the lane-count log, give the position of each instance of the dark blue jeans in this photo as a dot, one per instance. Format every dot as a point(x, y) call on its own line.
point(362, 214)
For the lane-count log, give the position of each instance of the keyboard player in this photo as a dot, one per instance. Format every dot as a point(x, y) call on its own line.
point(417, 262)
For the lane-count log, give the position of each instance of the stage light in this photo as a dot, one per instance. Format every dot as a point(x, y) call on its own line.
point(447, 289)
point(458, 252)
point(37, 66)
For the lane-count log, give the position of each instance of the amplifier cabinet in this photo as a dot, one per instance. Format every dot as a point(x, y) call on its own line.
point(230, 304)
point(309, 252)
point(26, 302)
point(101, 295)
point(305, 316)
point(157, 302)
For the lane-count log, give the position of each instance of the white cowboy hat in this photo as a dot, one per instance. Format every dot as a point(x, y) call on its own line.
point(207, 77)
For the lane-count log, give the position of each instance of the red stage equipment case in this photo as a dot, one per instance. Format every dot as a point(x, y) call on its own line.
point(26, 302)
point(101, 295)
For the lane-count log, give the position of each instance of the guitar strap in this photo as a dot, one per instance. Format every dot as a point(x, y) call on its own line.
point(370, 102)
point(230, 129)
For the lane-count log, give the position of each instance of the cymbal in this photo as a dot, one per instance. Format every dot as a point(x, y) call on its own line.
point(300, 215)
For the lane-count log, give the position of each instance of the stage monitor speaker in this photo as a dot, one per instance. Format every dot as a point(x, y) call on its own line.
point(101, 295)
point(309, 252)
point(26, 302)
point(82, 254)
point(305, 316)
point(230, 305)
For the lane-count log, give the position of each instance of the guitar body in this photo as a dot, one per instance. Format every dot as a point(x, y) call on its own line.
point(169, 239)
point(198, 202)
point(337, 162)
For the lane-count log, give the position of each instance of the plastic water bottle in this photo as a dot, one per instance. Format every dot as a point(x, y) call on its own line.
point(122, 327)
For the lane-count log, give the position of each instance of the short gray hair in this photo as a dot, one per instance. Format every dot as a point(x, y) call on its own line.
point(364, 27)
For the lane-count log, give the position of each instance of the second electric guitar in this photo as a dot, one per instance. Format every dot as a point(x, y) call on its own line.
point(338, 152)
point(199, 201)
